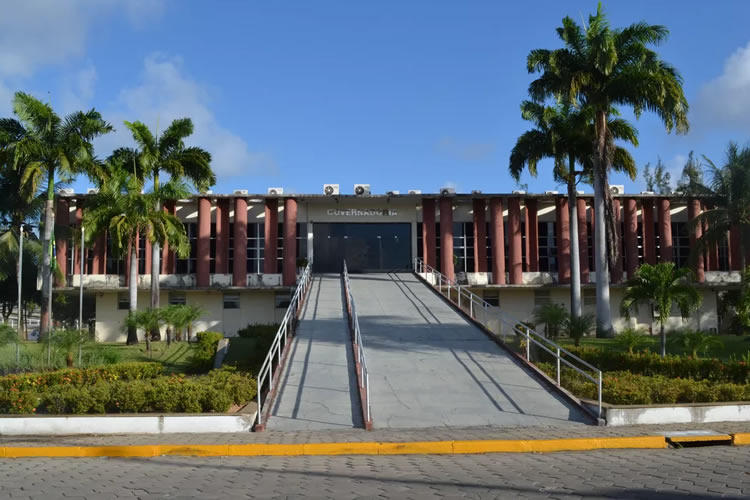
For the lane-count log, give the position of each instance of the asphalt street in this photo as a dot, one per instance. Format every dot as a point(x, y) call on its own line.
point(710, 472)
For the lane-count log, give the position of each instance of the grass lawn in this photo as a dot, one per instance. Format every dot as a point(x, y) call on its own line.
point(733, 345)
point(33, 355)
point(247, 354)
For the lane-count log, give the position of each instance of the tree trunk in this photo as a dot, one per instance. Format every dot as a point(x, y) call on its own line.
point(663, 335)
point(575, 264)
point(133, 295)
point(601, 261)
point(49, 221)
point(155, 265)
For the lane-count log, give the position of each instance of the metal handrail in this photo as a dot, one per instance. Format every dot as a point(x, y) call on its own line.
point(475, 302)
point(364, 375)
point(273, 360)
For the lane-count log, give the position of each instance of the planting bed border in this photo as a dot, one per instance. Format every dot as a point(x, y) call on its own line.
point(59, 425)
point(681, 413)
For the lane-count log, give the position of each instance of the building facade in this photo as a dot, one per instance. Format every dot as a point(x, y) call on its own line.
point(512, 249)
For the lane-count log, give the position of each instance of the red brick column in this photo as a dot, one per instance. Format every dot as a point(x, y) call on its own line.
point(62, 218)
point(665, 231)
point(480, 237)
point(694, 209)
point(203, 257)
point(77, 244)
point(271, 236)
point(446, 238)
point(616, 271)
point(532, 236)
point(735, 259)
point(631, 236)
point(100, 255)
point(583, 240)
point(168, 261)
point(497, 239)
point(429, 254)
point(647, 227)
point(713, 250)
point(222, 236)
point(290, 242)
point(239, 261)
point(563, 240)
point(514, 242)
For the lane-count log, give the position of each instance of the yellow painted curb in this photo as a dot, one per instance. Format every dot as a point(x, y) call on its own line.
point(741, 439)
point(351, 448)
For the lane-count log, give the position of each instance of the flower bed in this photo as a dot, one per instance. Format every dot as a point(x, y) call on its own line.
point(124, 388)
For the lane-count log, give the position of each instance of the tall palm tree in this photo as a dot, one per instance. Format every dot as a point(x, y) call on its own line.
point(122, 211)
point(661, 285)
point(566, 134)
point(51, 146)
point(601, 67)
point(729, 188)
point(167, 154)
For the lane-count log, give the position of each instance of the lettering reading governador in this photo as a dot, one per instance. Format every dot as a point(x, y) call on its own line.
point(363, 212)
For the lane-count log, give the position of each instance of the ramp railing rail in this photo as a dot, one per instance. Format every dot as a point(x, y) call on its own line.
point(359, 351)
point(271, 367)
point(483, 312)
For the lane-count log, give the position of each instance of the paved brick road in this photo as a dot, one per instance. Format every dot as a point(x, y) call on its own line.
point(625, 474)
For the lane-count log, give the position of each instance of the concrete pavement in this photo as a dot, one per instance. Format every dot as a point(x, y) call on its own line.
point(716, 472)
point(429, 367)
point(319, 386)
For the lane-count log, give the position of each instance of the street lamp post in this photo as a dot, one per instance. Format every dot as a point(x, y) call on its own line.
point(20, 281)
point(80, 298)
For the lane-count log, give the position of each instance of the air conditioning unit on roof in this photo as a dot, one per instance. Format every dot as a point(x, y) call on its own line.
point(362, 189)
point(331, 189)
point(476, 191)
point(617, 189)
point(392, 193)
point(92, 190)
point(275, 191)
point(448, 191)
point(66, 192)
point(240, 192)
point(415, 191)
point(519, 191)
point(552, 192)
point(647, 192)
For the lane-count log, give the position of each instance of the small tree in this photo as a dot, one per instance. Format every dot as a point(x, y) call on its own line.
point(9, 336)
point(694, 342)
point(661, 285)
point(69, 341)
point(632, 339)
point(553, 316)
point(148, 321)
point(576, 327)
point(181, 318)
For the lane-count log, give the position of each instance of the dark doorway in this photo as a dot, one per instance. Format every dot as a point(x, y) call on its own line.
point(367, 247)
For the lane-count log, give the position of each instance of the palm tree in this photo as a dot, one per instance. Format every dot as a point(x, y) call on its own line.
point(552, 316)
point(168, 154)
point(693, 342)
point(661, 285)
point(148, 321)
point(48, 146)
point(575, 327)
point(122, 211)
point(729, 187)
point(602, 67)
point(566, 134)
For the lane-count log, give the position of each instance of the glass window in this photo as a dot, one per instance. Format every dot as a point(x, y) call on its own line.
point(589, 297)
point(231, 301)
point(188, 265)
point(492, 297)
point(177, 299)
point(542, 297)
point(463, 246)
point(255, 247)
point(547, 247)
point(282, 300)
point(123, 301)
point(681, 244)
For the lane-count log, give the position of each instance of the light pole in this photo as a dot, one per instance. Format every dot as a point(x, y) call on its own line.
point(80, 299)
point(20, 279)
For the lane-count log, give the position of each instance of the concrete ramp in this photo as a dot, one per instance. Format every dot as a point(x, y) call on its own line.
point(318, 388)
point(430, 367)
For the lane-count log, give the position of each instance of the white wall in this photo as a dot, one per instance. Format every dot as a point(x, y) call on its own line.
point(255, 307)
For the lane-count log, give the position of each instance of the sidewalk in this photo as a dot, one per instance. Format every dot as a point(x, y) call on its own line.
point(336, 442)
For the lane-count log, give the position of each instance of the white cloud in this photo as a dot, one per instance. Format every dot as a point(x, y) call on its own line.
point(78, 89)
point(726, 99)
point(35, 33)
point(165, 93)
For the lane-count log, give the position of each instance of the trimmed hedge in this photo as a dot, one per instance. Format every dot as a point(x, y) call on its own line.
point(652, 364)
point(203, 357)
point(626, 388)
point(82, 376)
point(214, 392)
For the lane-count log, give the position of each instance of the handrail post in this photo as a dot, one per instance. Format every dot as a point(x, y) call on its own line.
point(600, 394)
point(558, 366)
point(528, 344)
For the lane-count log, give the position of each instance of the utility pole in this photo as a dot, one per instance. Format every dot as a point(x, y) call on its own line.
point(20, 280)
point(80, 300)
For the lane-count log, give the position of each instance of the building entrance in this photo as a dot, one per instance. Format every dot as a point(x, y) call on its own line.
point(367, 247)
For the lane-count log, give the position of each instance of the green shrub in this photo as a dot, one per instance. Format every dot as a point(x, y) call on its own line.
point(81, 376)
point(258, 330)
point(240, 387)
point(632, 339)
point(203, 357)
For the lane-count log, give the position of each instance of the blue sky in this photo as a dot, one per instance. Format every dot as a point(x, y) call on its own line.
point(401, 95)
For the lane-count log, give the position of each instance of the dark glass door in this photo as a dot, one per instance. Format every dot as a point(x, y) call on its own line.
point(367, 247)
